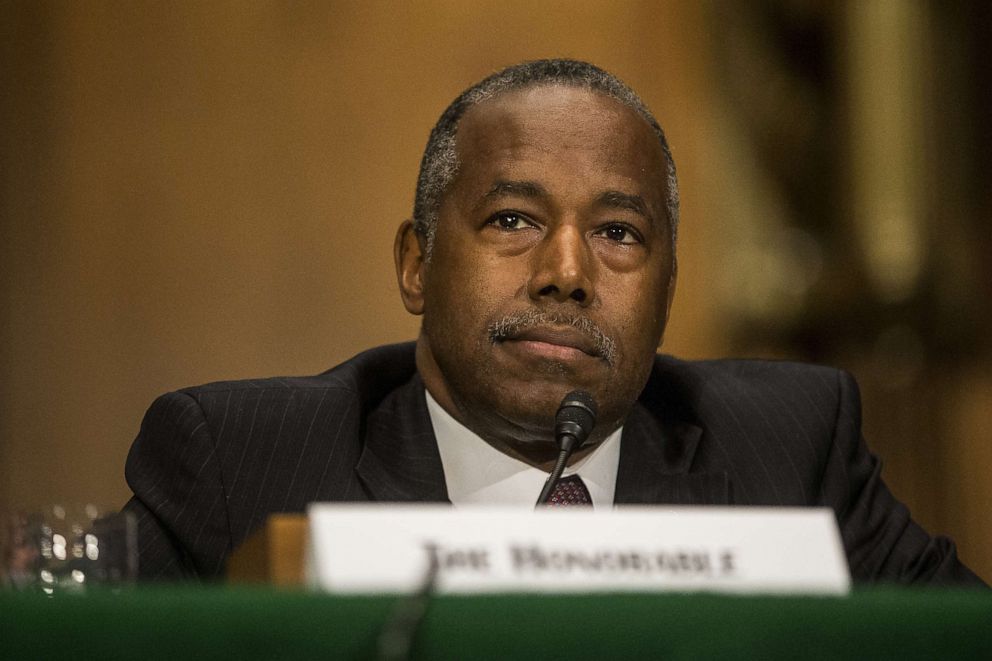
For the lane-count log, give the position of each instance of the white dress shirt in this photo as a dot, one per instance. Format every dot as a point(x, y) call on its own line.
point(476, 473)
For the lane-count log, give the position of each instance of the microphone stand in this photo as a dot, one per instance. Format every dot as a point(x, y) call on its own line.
point(567, 444)
point(396, 638)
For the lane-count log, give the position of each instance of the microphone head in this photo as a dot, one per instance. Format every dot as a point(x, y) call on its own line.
point(576, 416)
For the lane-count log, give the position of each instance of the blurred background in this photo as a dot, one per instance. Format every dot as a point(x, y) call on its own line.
point(195, 191)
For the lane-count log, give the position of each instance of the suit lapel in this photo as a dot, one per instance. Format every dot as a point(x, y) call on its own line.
point(656, 454)
point(400, 461)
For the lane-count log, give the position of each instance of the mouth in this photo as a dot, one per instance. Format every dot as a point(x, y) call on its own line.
point(557, 343)
point(560, 338)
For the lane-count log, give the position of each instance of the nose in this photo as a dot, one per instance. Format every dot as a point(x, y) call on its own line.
point(562, 268)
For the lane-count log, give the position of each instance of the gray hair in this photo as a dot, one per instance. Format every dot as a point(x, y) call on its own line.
point(440, 161)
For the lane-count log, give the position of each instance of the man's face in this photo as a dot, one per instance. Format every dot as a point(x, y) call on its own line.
point(552, 267)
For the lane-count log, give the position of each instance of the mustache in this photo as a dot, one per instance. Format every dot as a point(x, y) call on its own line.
point(513, 324)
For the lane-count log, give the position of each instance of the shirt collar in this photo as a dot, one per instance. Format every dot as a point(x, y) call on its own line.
point(476, 473)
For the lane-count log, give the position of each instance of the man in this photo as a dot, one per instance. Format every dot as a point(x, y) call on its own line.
point(541, 255)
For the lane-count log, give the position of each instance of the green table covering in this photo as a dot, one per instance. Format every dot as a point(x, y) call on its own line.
point(261, 623)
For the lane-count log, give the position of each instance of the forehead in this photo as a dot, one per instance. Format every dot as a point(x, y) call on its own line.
point(572, 132)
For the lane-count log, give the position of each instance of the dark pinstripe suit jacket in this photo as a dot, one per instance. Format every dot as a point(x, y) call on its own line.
point(211, 463)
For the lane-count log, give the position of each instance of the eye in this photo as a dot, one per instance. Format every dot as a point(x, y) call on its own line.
point(509, 221)
point(621, 234)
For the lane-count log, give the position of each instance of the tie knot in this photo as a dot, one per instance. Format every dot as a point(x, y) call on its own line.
point(570, 490)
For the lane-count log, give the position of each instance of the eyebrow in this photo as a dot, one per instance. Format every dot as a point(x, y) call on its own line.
point(516, 188)
point(618, 200)
point(531, 189)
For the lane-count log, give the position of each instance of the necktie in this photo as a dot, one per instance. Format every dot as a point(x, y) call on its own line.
point(570, 491)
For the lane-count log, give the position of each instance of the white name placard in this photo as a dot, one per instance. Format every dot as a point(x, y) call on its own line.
point(362, 548)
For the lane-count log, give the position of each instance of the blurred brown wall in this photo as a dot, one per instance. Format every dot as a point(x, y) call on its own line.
point(199, 191)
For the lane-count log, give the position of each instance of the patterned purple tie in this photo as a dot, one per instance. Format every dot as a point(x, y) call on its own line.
point(570, 491)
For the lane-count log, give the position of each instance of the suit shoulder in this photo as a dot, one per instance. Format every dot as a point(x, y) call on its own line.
point(272, 383)
point(746, 368)
point(380, 368)
point(778, 382)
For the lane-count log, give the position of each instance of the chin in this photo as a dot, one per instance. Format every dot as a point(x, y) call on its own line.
point(534, 405)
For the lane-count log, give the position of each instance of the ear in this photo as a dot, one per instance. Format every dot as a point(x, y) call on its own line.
point(672, 281)
point(408, 252)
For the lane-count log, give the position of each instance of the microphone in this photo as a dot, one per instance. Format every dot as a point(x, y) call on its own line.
point(574, 421)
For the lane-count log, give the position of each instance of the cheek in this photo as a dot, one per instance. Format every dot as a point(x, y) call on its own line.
point(477, 280)
point(457, 301)
point(640, 317)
